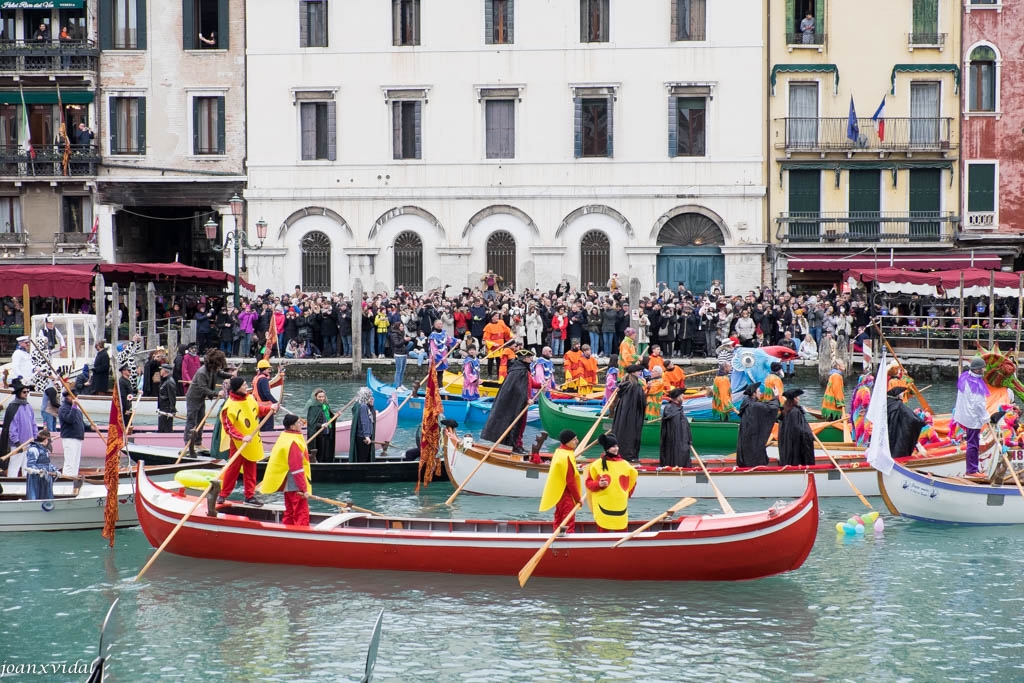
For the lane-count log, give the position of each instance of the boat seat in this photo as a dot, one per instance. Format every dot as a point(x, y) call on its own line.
point(334, 521)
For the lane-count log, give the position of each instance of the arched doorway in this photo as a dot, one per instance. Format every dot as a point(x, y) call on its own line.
point(690, 253)
point(595, 256)
point(316, 262)
point(501, 256)
point(409, 261)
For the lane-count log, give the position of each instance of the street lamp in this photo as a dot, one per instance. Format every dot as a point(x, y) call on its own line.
point(238, 239)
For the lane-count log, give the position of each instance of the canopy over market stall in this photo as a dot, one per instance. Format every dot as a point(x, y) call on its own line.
point(944, 283)
point(75, 281)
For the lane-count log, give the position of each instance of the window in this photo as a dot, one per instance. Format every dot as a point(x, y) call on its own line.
point(593, 122)
point(313, 23)
point(981, 95)
point(76, 214)
point(207, 125)
point(805, 22)
point(319, 135)
point(498, 21)
point(500, 121)
point(409, 261)
point(686, 126)
point(689, 19)
point(316, 262)
point(925, 23)
point(981, 188)
point(924, 114)
point(122, 24)
point(595, 256)
point(10, 214)
point(406, 122)
point(127, 125)
point(802, 124)
point(501, 256)
point(405, 22)
point(594, 21)
point(204, 24)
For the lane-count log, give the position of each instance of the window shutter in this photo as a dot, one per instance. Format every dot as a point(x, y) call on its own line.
point(140, 14)
point(418, 120)
point(674, 16)
point(396, 129)
point(819, 16)
point(221, 127)
point(510, 15)
point(578, 127)
point(188, 25)
point(396, 22)
point(606, 33)
point(112, 103)
point(196, 119)
point(416, 26)
point(489, 22)
point(307, 130)
point(303, 23)
point(142, 125)
point(332, 131)
point(792, 23)
point(223, 25)
point(584, 16)
point(981, 192)
point(673, 113)
point(106, 24)
point(611, 128)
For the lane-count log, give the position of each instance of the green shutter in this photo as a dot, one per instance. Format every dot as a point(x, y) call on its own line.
point(925, 202)
point(195, 125)
point(222, 24)
point(113, 124)
point(926, 20)
point(792, 23)
point(610, 147)
point(142, 125)
point(865, 201)
point(106, 24)
point(981, 187)
point(221, 147)
point(188, 25)
point(140, 14)
point(804, 200)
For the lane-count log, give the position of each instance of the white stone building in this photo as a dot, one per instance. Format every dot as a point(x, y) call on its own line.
point(422, 142)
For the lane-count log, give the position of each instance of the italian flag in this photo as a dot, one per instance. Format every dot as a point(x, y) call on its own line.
point(28, 131)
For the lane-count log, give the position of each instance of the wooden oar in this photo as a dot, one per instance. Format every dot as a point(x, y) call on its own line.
point(842, 472)
point(342, 504)
point(702, 372)
point(67, 387)
point(913, 387)
point(726, 507)
point(198, 429)
point(199, 500)
point(419, 384)
point(490, 354)
point(17, 450)
point(328, 423)
point(1013, 473)
point(847, 437)
point(527, 571)
point(685, 502)
point(515, 421)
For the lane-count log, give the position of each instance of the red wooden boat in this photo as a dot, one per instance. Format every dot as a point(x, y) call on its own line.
point(691, 548)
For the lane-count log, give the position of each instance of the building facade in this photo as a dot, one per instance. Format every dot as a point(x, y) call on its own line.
point(407, 145)
point(864, 139)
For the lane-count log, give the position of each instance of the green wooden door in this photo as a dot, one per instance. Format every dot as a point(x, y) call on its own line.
point(805, 202)
point(864, 204)
point(925, 204)
point(695, 267)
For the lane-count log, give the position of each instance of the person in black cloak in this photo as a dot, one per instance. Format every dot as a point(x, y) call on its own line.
point(630, 405)
point(796, 441)
point(512, 397)
point(318, 414)
point(757, 417)
point(904, 425)
point(676, 438)
point(363, 431)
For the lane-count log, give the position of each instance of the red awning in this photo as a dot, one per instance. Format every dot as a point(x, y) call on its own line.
point(915, 261)
point(893, 275)
point(975, 277)
point(128, 272)
point(72, 281)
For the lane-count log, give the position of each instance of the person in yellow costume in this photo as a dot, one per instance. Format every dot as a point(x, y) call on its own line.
point(611, 481)
point(240, 419)
point(288, 470)
point(562, 489)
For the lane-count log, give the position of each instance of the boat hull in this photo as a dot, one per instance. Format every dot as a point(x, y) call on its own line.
point(697, 548)
point(84, 511)
point(454, 408)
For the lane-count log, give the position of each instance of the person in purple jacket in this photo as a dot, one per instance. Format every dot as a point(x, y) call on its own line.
point(246, 322)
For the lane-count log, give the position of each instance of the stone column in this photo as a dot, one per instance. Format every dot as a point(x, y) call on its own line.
point(100, 296)
point(152, 341)
point(357, 327)
point(105, 238)
point(115, 313)
point(133, 318)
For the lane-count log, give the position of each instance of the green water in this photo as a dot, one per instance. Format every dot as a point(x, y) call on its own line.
point(919, 603)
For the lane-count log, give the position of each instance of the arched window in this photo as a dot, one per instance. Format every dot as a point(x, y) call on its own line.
point(982, 94)
point(316, 262)
point(409, 261)
point(501, 256)
point(595, 253)
point(690, 230)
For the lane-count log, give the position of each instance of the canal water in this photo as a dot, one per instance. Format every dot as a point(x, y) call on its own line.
point(918, 603)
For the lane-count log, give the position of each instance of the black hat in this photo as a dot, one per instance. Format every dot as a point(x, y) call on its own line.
point(635, 367)
point(565, 436)
point(897, 391)
point(449, 423)
point(289, 420)
point(775, 367)
point(793, 393)
point(17, 385)
point(751, 389)
point(167, 366)
point(677, 392)
point(607, 440)
point(525, 353)
point(192, 345)
point(235, 384)
point(125, 367)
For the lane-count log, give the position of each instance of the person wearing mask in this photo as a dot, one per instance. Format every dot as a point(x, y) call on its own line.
point(630, 407)
point(757, 418)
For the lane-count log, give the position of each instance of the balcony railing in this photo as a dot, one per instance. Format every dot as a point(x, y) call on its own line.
point(926, 40)
point(77, 242)
point(871, 227)
point(45, 56)
point(980, 220)
point(913, 134)
point(798, 38)
point(48, 161)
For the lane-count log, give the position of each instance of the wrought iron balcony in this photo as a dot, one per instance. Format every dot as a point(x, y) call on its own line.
point(798, 38)
point(48, 161)
point(870, 227)
point(911, 134)
point(48, 56)
point(926, 40)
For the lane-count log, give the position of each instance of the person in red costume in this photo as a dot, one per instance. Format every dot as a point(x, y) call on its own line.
point(611, 482)
point(562, 488)
point(288, 470)
point(240, 419)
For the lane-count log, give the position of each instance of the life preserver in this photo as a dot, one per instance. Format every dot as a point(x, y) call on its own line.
point(196, 479)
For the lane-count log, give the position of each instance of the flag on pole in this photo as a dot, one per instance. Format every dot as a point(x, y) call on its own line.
point(29, 149)
point(430, 430)
point(115, 442)
point(877, 417)
point(66, 157)
point(879, 119)
point(852, 128)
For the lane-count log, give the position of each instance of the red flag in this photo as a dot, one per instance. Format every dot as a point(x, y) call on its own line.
point(430, 464)
point(115, 442)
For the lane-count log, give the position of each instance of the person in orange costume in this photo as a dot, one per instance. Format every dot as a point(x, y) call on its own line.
point(674, 375)
point(496, 333)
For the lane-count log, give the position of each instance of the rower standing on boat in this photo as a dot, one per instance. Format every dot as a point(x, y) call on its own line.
point(859, 408)
point(630, 408)
point(166, 399)
point(674, 375)
point(513, 395)
point(721, 393)
point(562, 488)
point(834, 400)
point(676, 437)
point(318, 414)
point(288, 470)
point(495, 335)
point(611, 482)
point(905, 425)
point(261, 385)
point(204, 385)
point(655, 391)
point(628, 354)
point(439, 341)
point(587, 368)
point(101, 369)
point(970, 411)
point(126, 391)
point(543, 370)
point(19, 427)
point(21, 360)
point(772, 386)
point(796, 440)
point(40, 472)
point(363, 431)
point(72, 434)
point(757, 417)
point(471, 375)
point(239, 418)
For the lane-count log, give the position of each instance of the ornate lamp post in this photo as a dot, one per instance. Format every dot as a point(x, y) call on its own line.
point(237, 239)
